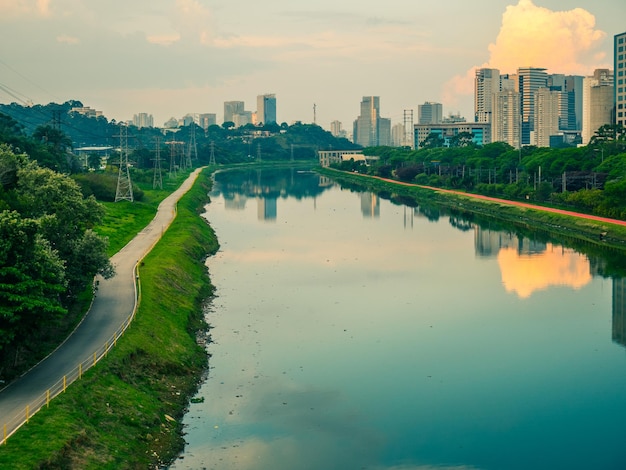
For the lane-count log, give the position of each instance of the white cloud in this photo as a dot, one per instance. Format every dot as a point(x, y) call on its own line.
point(65, 39)
point(20, 8)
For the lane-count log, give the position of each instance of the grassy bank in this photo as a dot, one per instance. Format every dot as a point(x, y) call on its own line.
point(572, 227)
point(125, 413)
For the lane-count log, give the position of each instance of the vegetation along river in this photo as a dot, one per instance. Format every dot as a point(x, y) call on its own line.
point(354, 332)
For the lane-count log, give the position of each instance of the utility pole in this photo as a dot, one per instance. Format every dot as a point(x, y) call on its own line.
point(124, 190)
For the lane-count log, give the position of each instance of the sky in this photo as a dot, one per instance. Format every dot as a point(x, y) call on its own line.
point(173, 57)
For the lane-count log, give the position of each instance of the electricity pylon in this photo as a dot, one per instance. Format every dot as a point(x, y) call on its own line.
point(124, 190)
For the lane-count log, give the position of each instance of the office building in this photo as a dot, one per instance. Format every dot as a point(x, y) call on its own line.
point(546, 118)
point(530, 79)
point(242, 118)
point(620, 78)
point(266, 109)
point(398, 135)
point(598, 101)
point(486, 83)
point(205, 120)
point(231, 108)
point(369, 129)
point(429, 113)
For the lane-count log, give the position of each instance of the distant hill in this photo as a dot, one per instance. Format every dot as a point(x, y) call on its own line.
point(228, 144)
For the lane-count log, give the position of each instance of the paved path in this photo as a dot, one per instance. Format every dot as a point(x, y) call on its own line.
point(113, 305)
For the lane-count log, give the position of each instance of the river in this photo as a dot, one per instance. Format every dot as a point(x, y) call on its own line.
point(351, 331)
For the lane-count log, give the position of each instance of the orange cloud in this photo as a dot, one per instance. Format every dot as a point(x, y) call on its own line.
point(561, 41)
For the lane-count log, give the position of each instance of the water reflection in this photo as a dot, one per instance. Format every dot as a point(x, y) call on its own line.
point(378, 332)
point(619, 311)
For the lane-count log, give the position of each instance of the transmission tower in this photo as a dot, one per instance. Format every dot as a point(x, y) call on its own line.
point(157, 180)
point(124, 190)
point(192, 149)
point(212, 157)
point(258, 152)
point(172, 144)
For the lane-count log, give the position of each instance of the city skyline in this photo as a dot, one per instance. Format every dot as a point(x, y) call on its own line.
point(171, 58)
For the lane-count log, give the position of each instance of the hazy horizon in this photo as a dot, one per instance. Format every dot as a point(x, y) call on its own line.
point(173, 57)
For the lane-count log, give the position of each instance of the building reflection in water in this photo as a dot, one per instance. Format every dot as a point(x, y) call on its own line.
point(267, 208)
point(619, 311)
point(528, 266)
point(370, 205)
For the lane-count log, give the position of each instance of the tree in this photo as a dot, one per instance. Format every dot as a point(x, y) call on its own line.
point(63, 216)
point(31, 278)
point(432, 141)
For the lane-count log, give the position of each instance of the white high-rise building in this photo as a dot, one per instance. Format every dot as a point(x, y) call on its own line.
point(598, 100)
point(546, 118)
point(506, 117)
point(143, 120)
point(530, 79)
point(486, 83)
point(397, 135)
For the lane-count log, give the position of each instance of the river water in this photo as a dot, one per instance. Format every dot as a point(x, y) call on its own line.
point(355, 332)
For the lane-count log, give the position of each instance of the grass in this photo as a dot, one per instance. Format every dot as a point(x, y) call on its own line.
point(124, 219)
point(125, 413)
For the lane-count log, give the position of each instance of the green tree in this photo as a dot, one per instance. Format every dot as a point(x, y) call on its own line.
point(31, 279)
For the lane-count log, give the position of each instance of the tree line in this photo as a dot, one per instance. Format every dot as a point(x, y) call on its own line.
point(589, 178)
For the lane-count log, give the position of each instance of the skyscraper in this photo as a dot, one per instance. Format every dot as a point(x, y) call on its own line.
point(266, 108)
point(506, 117)
point(598, 102)
point(619, 53)
point(546, 119)
point(486, 83)
point(530, 79)
point(366, 125)
point(231, 108)
point(429, 113)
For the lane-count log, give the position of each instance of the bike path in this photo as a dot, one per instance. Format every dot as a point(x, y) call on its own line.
point(113, 304)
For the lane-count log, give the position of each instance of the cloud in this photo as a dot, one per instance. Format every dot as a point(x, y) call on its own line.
point(65, 39)
point(561, 41)
point(10, 9)
point(193, 21)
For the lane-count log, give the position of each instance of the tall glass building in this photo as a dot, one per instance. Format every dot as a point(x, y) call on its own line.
point(266, 108)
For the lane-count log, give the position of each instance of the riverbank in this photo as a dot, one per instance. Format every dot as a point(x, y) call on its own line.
point(571, 225)
point(126, 412)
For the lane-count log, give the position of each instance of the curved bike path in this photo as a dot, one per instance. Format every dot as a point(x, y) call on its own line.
point(113, 304)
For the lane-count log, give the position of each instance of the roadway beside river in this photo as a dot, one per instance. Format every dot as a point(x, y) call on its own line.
point(124, 412)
